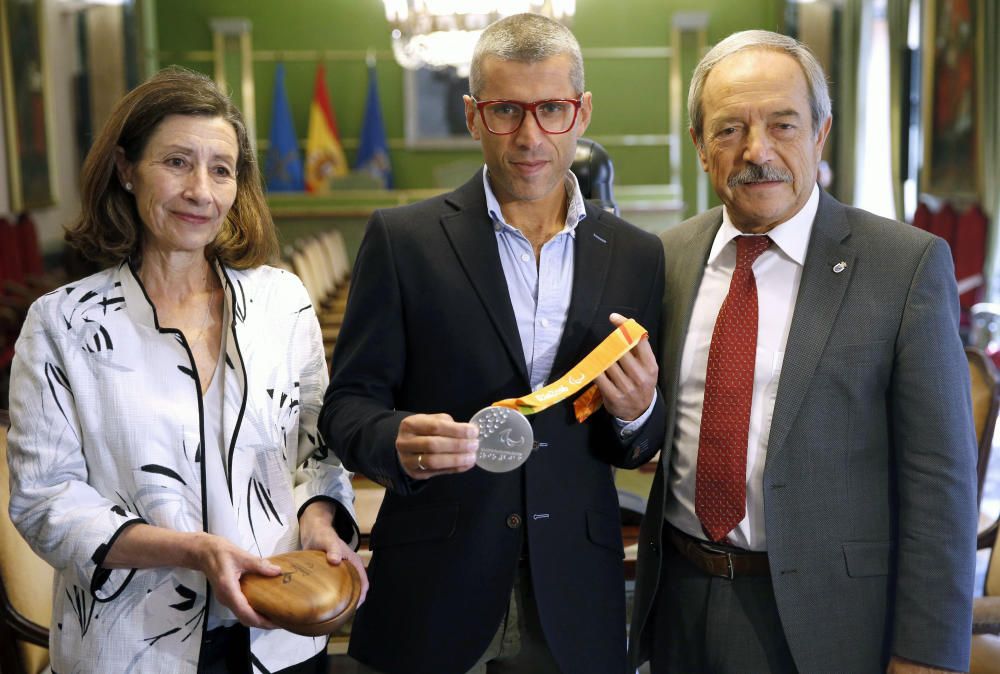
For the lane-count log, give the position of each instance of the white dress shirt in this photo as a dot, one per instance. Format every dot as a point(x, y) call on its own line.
point(778, 272)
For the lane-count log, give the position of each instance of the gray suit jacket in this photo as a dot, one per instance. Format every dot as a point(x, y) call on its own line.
point(869, 481)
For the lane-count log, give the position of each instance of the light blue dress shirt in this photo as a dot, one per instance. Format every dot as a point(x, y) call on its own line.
point(541, 293)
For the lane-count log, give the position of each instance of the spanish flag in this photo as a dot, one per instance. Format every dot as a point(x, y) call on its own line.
point(325, 158)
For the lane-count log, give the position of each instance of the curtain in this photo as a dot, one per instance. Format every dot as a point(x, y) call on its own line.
point(989, 157)
point(898, 17)
point(846, 109)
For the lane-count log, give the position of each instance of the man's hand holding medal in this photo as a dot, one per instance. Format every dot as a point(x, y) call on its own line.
point(499, 438)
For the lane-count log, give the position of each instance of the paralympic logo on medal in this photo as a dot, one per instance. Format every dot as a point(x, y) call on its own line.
point(510, 442)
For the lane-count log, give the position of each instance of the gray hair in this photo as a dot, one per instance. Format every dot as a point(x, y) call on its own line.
point(528, 38)
point(819, 93)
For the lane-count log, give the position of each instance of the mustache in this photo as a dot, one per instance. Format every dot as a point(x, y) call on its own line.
point(759, 173)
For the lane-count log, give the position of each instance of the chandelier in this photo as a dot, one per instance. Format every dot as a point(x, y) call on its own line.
point(441, 33)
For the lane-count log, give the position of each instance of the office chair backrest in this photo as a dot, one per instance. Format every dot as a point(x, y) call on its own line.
point(25, 588)
point(595, 173)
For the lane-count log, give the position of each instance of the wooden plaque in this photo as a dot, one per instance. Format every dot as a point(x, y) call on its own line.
point(311, 597)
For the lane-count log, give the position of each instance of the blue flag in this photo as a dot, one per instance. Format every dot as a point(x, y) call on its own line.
point(373, 150)
point(283, 170)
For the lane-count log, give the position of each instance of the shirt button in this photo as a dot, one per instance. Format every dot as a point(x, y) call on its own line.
point(513, 521)
point(497, 226)
point(525, 257)
point(544, 322)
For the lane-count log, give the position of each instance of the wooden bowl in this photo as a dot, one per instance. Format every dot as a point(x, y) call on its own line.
point(311, 597)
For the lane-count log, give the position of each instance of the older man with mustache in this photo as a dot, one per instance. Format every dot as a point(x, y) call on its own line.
point(815, 506)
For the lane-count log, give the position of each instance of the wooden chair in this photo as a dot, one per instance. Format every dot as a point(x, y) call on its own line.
point(326, 281)
point(985, 406)
point(336, 252)
point(986, 619)
point(328, 255)
point(300, 265)
point(985, 383)
point(309, 260)
point(25, 588)
point(321, 262)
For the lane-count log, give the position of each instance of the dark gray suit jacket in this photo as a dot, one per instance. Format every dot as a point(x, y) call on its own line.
point(869, 481)
point(430, 328)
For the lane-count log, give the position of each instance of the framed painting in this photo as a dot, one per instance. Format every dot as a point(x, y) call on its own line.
point(435, 114)
point(953, 59)
point(25, 102)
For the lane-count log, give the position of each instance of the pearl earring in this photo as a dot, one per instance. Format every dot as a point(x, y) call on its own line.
point(128, 187)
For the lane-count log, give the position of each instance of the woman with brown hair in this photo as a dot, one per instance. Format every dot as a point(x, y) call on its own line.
point(163, 411)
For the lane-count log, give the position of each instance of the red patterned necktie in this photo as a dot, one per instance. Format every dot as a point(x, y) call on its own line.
point(720, 494)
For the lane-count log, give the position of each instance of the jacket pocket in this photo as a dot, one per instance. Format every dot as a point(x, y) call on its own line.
point(605, 530)
point(415, 525)
point(867, 558)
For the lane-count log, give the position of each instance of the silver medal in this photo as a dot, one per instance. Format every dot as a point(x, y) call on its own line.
point(505, 439)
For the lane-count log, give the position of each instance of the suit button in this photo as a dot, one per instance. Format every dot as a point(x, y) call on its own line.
point(513, 521)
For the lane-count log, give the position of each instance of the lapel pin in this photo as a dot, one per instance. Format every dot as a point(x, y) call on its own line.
point(839, 267)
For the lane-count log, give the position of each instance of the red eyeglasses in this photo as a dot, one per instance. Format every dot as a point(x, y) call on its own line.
point(554, 116)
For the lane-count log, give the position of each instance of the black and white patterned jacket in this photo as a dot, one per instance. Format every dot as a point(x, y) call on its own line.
point(106, 431)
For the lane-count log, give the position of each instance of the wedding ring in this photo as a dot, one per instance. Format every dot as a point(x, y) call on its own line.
point(420, 462)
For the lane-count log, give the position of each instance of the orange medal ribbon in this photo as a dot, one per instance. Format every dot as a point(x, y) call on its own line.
point(606, 354)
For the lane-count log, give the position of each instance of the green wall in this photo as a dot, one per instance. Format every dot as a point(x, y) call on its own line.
point(630, 94)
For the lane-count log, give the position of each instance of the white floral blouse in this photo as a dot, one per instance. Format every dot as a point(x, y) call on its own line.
point(106, 431)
